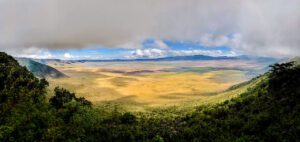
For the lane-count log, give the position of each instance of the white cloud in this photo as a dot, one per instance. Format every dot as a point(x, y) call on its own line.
point(267, 27)
point(68, 56)
point(211, 40)
point(147, 53)
point(158, 53)
point(138, 44)
point(160, 44)
point(132, 44)
point(202, 52)
point(31, 52)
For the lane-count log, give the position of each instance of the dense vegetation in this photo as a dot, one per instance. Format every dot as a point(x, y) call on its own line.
point(268, 112)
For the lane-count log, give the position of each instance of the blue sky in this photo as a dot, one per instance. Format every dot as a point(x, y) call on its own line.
point(149, 48)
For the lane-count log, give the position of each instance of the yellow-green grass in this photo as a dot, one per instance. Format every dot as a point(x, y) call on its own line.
point(149, 90)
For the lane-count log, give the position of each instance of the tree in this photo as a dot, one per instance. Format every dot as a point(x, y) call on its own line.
point(284, 78)
point(128, 118)
point(63, 96)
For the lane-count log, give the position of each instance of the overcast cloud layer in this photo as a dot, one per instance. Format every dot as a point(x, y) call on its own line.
point(259, 27)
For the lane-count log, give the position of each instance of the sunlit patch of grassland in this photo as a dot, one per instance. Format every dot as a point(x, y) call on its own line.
point(121, 81)
point(190, 106)
point(147, 90)
point(174, 88)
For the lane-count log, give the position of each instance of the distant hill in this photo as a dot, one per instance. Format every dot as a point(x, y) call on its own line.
point(39, 69)
point(296, 59)
point(172, 58)
point(193, 57)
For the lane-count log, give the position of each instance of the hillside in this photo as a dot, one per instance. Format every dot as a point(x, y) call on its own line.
point(268, 111)
point(171, 58)
point(296, 60)
point(40, 70)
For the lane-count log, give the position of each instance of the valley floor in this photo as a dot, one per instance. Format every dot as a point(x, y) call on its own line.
point(140, 85)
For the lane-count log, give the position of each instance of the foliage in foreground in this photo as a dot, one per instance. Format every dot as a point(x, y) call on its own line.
point(268, 112)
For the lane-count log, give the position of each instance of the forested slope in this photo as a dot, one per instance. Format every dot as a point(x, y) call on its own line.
point(270, 111)
point(39, 69)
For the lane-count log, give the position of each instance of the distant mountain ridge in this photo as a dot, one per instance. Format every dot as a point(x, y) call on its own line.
point(193, 57)
point(39, 69)
point(171, 58)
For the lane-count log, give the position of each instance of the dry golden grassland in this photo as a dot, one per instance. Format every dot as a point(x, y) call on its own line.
point(110, 84)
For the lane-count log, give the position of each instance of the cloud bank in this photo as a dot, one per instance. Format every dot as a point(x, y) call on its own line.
point(258, 27)
point(159, 53)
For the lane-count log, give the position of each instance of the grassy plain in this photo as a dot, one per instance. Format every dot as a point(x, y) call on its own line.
point(140, 86)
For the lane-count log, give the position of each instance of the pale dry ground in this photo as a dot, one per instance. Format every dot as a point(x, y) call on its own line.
point(150, 89)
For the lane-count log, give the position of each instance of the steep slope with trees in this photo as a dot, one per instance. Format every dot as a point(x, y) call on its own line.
point(40, 70)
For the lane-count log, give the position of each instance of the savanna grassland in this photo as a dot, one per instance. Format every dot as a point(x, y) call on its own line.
point(140, 85)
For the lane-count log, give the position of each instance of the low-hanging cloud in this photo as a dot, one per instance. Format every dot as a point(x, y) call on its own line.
point(159, 53)
point(264, 27)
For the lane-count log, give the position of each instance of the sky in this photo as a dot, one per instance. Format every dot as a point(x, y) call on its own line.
point(150, 48)
point(107, 29)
